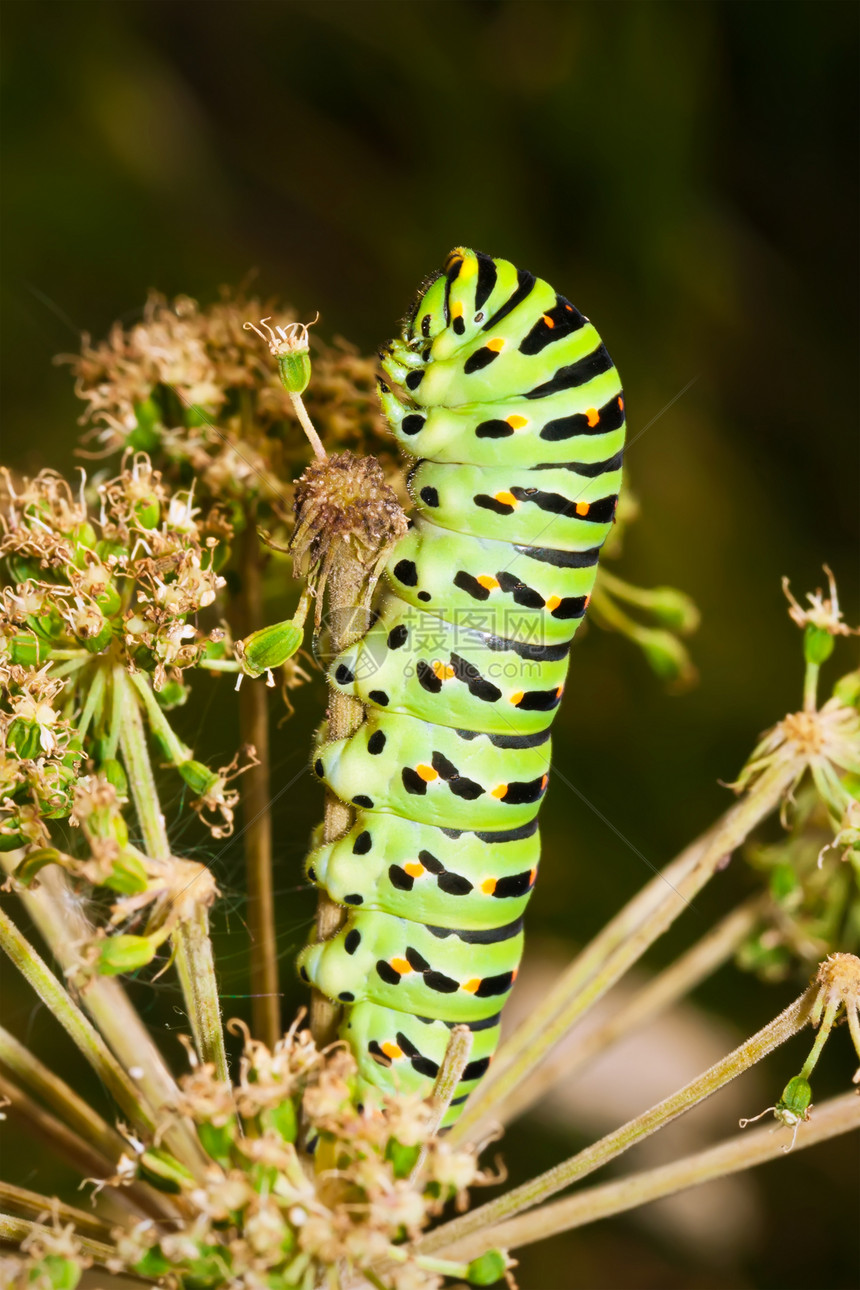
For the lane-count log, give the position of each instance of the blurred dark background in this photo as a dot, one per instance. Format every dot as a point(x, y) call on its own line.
point(687, 174)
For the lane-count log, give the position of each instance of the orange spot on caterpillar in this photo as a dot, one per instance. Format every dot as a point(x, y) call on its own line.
point(488, 886)
point(544, 782)
point(620, 403)
point(518, 697)
point(516, 422)
point(427, 773)
point(472, 985)
point(487, 581)
point(569, 308)
point(507, 499)
point(401, 966)
point(443, 670)
point(532, 876)
point(585, 603)
point(392, 1050)
point(553, 602)
point(497, 344)
point(514, 974)
point(593, 416)
point(559, 691)
point(550, 322)
point(582, 508)
point(414, 869)
point(499, 791)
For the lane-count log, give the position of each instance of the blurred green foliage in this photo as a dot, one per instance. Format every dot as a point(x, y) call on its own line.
point(687, 174)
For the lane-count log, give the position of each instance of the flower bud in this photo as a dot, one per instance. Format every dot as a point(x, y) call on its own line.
point(164, 1171)
point(847, 690)
point(666, 656)
point(487, 1268)
point(270, 647)
point(793, 1107)
point(127, 875)
point(145, 434)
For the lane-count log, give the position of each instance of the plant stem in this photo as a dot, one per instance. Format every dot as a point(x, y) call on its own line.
point(77, 1113)
point(58, 915)
point(788, 1023)
point(15, 1230)
point(83, 1157)
point(836, 1116)
point(192, 945)
point(42, 980)
point(307, 425)
point(32, 1204)
point(347, 622)
point(450, 1073)
point(256, 801)
point(623, 941)
point(665, 989)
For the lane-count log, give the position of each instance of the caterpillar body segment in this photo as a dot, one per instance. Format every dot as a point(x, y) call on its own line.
point(508, 399)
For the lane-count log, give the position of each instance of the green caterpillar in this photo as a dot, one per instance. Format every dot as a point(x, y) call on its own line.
point(509, 400)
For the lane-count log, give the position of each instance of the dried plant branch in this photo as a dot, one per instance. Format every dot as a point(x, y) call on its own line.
point(47, 1085)
point(743, 1151)
point(13, 1231)
point(30, 1204)
point(665, 989)
point(622, 942)
point(788, 1023)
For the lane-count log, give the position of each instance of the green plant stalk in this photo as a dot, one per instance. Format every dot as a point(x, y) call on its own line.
point(256, 810)
point(41, 979)
point(660, 993)
point(62, 924)
point(15, 1230)
point(94, 699)
point(345, 714)
point(454, 1062)
point(80, 1154)
point(158, 722)
point(192, 945)
point(31, 1204)
point(48, 1086)
point(622, 943)
point(788, 1023)
point(744, 1151)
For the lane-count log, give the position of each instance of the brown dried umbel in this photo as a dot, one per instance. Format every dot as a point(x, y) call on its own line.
point(347, 518)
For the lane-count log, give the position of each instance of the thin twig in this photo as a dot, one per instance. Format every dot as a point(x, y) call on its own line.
point(256, 809)
point(743, 1151)
point(621, 943)
point(31, 1204)
point(665, 989)
point(15, 1230)
point(788, 1023)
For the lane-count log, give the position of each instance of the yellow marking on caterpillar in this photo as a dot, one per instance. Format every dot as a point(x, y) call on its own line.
point(392, 1050)
point(516, 422)
point(593, 416)
point(458, 253)
point(507, 499)
point(427, 773)
point(401, 966)
point(497, 344)
point(550, 322)
point(486, 580)
point(443, 670)
point(582, 508)
point(499, 791)
point(457, 310)
point(488, 886)
point(472, 986)
point(553, 602)
point(518, 697)
point(414, 869)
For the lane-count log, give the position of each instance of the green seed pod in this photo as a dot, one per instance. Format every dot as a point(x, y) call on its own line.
point(847, 690)
point(109, 601)
point(95, 644)
point(29, 867)
point(56, 1272)
point(487, 1268)
point(11, 841)
point(793, 1107)
point(164, 1171)
point(145, 434)
point(153, 1264)
point(115, 774)
point(25, 649)
point(817, 644)
point(673, 609)
point(147, 512)
point(85, 539)
point(217, 1140)
point(199, 778)
point(173, 694)
point(125, 953)
point(666, 655)
point(295, 371)
point(127, 875)
point(270, 647)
